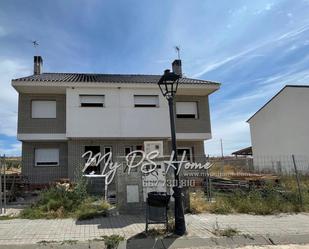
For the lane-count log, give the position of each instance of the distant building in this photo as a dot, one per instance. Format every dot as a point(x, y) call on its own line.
point(280, 129)
point(243, 152)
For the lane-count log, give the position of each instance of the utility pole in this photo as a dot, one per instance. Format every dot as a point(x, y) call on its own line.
point(221, 143)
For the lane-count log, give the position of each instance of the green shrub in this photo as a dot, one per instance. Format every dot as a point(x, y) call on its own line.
point(61, 202)
point(112, 241)
point(89, 209)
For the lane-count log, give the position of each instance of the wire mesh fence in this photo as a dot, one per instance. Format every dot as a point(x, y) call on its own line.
point(217, 177)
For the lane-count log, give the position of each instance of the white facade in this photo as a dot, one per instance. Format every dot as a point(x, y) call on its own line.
point(118, 118)
point(280, 129)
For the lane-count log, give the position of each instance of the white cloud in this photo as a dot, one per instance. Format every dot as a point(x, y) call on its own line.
point(9, 69)
point(245, 53)
point(294, 33)
point(10, 149)
point(219, 63)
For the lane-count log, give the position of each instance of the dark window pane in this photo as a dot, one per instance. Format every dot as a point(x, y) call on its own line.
point(95, 150)
point(127, 150)
point(185, 116)
point(92, 104)
point(46, 163)
point(145, 105)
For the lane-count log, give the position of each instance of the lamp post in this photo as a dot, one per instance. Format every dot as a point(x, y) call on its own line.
point(168, 84)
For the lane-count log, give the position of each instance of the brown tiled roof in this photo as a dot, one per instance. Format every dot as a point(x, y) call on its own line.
point(104, 78)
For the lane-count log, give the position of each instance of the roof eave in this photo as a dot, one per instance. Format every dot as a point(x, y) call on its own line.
point(23, 86)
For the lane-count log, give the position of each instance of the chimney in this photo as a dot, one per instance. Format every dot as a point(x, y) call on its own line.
point(38, 64)
point(176, 65)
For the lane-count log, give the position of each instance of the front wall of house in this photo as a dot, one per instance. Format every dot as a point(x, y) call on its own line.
point(27, 124)
point(43, 174)
point(198, 125)
point(76, 148)
point(122, 179)
point(118, 118)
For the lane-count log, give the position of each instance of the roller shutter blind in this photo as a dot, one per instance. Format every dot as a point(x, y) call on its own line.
point(43, 109)
point(47, 157)
point(186, 110)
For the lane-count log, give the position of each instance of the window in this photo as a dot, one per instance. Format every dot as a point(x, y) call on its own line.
point(107, 150)
point(46, 157)
point(127, 150)
point(43, 109)
point(93, 167)
point(186, 110)
point(146, 100)
point(187, 151)
point(139, 147)
point(91, 100)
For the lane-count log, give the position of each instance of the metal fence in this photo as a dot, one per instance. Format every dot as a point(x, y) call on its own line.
point(281, 164)
point(211, 174)
point(9, 172)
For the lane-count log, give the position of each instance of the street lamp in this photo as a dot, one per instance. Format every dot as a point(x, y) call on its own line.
point(168, 84)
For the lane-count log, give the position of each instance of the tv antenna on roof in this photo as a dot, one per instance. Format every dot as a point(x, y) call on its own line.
point(35, 44)
point(177, 48)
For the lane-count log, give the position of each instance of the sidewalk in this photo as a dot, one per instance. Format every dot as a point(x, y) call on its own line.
point(19, 231)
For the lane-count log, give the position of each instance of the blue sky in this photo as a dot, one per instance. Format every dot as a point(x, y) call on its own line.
point(253, 48)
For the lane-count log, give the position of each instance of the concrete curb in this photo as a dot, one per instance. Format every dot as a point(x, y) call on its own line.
point(183, 242)
point(223, 242)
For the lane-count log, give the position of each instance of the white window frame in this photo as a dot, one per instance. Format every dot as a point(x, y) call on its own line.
point(45, 162)
point(140, 101)
point(94, 103)
point(188, 115)
point(44, 111)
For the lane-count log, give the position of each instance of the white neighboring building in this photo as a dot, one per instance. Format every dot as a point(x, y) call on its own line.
point(280, 129)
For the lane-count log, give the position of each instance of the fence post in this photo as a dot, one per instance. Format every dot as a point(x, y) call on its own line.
point(4, 184)
point(298, 182)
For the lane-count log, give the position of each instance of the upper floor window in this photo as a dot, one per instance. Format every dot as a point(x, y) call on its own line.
point(43, 109)
point(47, 157)
point(146, 100)
point(186, 110)
point(91, 100)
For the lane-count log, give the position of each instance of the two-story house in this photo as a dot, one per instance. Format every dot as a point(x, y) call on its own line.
point(63, 115)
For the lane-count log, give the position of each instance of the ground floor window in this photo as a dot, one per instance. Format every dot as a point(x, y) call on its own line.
point(46, 157)
point(107, 150)
point(188, 151)
point(93, 167)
